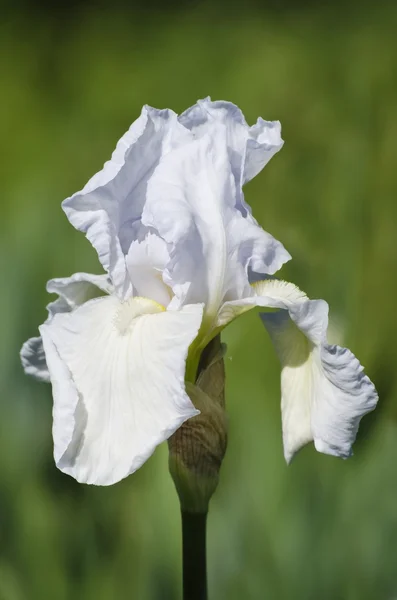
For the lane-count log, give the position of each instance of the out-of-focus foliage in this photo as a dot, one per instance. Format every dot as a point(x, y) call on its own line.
point(321, 528)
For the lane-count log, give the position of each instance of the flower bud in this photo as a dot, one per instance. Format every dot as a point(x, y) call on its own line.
point(197, 448)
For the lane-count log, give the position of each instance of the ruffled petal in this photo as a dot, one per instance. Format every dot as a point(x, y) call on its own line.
point(249, 148)
point(72, 291)
point(33, 359)
point(345, 395)
point(187, 201)
point(191, 203)
point(109, 208)
point(75, 290)
point(250, 249)
point(264, 141)
point(324, 390)
point(117, 371)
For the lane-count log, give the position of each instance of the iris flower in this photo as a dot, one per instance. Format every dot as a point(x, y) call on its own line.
point(183, 257)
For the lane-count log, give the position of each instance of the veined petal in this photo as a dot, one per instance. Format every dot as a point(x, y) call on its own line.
point(325, 392)
point(249, 148)
point(117, 371)
point(109, 208)
point(205, 117)
point(191, 203)
point(72, 291)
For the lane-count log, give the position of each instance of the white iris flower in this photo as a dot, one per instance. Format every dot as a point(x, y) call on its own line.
point(181, 251)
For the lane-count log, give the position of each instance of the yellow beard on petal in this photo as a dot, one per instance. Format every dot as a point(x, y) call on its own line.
point(133, 308)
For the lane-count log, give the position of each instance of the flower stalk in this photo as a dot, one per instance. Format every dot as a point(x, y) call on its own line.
point(196, 452)
point(194, 555)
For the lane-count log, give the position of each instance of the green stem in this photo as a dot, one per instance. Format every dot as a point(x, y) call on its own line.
point(194, 556)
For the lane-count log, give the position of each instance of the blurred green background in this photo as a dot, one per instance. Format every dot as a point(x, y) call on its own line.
point(73, 78)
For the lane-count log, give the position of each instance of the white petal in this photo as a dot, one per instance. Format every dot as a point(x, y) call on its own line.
point(293, 349)
point(73, 291)
point(298, 361)
point(324, 390)
point(345, 395)
point(263, 143)
point(188, 198)
point(250, 249)
point(146, 262)
point(250, 148)
point(271, 293)
point(191, 203)
point(109, 208)
point(117, 371)
point(33, 359)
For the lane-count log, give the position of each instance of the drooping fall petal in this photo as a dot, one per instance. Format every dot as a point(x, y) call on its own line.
point(117, 371)
point(324, 391)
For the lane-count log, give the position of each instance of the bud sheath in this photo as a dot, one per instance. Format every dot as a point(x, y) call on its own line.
point(197, 448)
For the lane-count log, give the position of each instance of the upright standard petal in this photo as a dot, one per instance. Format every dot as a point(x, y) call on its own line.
point(325, 392)
point(109, 208)
point(191, 203)
point(249, 148)
point(72, 292)
point(117, 370)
